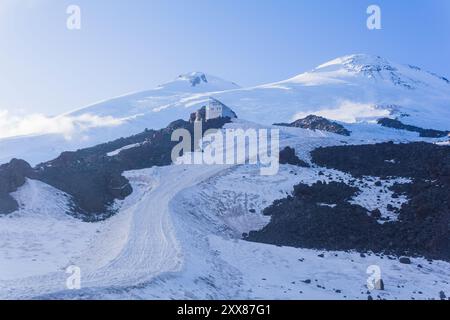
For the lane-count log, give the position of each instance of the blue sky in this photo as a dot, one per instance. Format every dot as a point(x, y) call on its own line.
point(127, 46)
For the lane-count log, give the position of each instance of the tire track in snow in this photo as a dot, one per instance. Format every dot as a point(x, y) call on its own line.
point(150, 250)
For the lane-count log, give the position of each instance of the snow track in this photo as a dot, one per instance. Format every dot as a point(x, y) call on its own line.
point(133, 247)
point(152, 247)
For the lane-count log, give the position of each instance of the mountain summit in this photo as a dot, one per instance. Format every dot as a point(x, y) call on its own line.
point(379, 68)
point(198, 82)
point(351, 89)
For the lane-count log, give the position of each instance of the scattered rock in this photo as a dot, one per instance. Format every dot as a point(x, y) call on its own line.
point(318, 123)
point(288, 156)
point(418, 228)
point(405, 260)
point(376, 214)
point(379, 285)
point(427, 133)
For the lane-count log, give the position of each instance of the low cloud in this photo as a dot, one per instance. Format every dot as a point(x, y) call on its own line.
point(349, 112)
point(12, 125)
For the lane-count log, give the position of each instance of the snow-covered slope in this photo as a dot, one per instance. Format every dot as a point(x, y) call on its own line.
point(178, 235)
point(181, 240)
point(160, 98)
point(112, 119)
point(350, 89)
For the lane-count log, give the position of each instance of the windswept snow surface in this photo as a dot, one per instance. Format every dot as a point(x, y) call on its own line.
point(177, 237)
point(128, 249)
point(351, 89)
point(39, 237)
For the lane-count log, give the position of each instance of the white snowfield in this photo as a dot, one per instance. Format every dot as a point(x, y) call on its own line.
point(177, 237)
point(351, 89)
point(128, 249)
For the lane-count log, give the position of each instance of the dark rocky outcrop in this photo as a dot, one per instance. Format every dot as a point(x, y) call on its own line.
point(12, 176)
point(288, 156)
point(91, 177)
point(301, 220)
point(95, 180)
point(317, 123)
point(426, 133)
point(331, 193)
point(422, 227)
point(405, 260)
point(415, 160)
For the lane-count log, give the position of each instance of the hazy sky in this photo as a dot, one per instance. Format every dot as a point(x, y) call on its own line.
point(131, 45)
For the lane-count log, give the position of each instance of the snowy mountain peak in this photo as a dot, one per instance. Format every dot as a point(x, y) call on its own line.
point(377, 69)
point(358, 63)
point(199, 82)
point(195, 78)
point(372, 67)
point(351, 89)
point(369, 66)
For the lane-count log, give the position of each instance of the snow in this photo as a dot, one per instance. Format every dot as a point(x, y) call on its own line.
point(348, 112)
point(200, 82)
point(127, 249)
point(178, 235)
point(172, 241)
point(338, 275)
point(116, 152)
point(40, 236)
point(217, 265)
point(348, 89)
point(374, 197)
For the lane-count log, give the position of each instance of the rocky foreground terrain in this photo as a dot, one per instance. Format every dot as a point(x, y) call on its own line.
point(320, 216)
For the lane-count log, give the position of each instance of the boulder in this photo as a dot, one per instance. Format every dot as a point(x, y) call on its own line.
point(405, 260)
point(288, 156)
point(12, 176)
point(314, 122)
